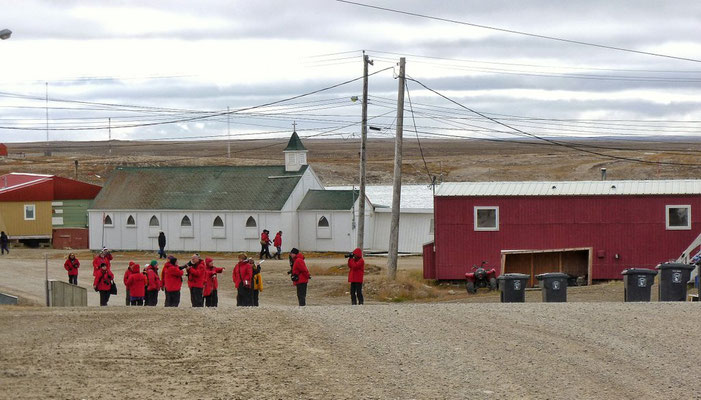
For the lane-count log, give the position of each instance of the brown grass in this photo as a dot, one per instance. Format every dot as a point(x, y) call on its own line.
point(341, 270)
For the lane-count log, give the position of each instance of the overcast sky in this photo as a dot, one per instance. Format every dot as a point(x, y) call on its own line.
point(155, 62)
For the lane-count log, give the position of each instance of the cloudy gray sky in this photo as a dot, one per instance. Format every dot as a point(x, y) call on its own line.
point(169, 69)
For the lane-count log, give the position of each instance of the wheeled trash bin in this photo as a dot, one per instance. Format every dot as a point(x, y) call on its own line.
point(513, 287)
point(554, 287)
point(637, 283)
point(673, 280)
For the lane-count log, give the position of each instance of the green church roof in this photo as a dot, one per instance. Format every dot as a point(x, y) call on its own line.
point(295, 143)
point(198, 188)
point(329, 200)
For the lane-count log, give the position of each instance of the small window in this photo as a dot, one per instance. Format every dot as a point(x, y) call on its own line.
point(251, 222)
point(486, 218)
point(218, 222)
point(323, 222)
point(678, 217)
point(30, 212)
point(131, 222)
point(108, 221)
point(185, 221)
point(153, 222)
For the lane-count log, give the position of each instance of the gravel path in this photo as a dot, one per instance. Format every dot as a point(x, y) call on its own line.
point(422, 351)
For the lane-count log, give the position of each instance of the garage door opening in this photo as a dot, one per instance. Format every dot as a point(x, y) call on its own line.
point(574, 262)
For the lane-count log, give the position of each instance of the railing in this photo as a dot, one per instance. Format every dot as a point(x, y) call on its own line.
point(686, 255)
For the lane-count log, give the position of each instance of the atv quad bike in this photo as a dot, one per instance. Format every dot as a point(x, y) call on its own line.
point(481, 277)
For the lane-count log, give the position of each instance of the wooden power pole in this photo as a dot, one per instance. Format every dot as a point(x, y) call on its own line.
point(363, 155)
point(397, 184)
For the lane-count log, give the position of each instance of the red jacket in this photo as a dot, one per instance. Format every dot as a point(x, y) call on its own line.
point(99, 260)
point(130, 270)
point(172, 277)
point(196, 275)
point(72, 266)
point(300, 269)
point(277, 242)
point(154, 282)
point(356, 268)
point(211, 283)
point(136, 284)
point(265, 238)
point(103, 280)
point(243, 272)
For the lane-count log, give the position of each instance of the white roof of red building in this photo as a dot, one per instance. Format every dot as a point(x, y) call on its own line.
point(570, 188)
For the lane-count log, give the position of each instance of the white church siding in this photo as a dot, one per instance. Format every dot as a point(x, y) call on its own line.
point(339, 236)
point(414, 229)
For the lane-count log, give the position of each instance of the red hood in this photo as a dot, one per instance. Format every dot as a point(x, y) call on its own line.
point(300, 256)
point(135, 268)
point(358, 253)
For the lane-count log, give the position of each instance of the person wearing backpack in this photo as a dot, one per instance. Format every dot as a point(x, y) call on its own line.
point(103, 283)
point(71, 265)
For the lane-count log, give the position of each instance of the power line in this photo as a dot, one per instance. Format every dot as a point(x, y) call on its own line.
point(453, 21)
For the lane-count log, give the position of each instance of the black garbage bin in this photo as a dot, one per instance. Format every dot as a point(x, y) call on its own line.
point(554, 287)
point(513, 287)
point(673, 280)
point(637, 283)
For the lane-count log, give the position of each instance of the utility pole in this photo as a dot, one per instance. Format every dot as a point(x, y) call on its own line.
point(109, 134)
point(228, 133)
point(47, 152)
point(363, 154)
point(76, 169)
point(397, 184)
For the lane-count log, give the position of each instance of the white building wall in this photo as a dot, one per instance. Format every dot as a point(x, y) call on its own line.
point(414, 230)
point(342, 236)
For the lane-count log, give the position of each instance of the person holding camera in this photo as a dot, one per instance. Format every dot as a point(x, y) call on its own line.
point(242, 276)
point(153, 283)
point(195, 280)
point(173, 281)
point(71, 265)
point(103, 283)
point(211, 283)
point(103, 257)
point(356, 270)
point(300, 277)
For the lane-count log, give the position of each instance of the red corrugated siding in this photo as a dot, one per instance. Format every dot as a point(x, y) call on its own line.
point(48, 189)
point(631, 226)
point(70, 238)
point(3, 150)
point(69, 189)
point(42, 191)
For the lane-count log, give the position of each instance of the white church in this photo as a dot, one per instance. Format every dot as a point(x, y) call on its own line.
point(226, 208)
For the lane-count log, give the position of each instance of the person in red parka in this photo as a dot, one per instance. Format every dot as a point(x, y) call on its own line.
point(71, 265)
point(172, 281)
point(265, 244)
point(356, 270)
point(300, 278)
point(130, 270)
point(196, 275)
point(211, 283)
point(277, 242)
point(243, 280)
point(103, 283)
point(153, 283)
point(102, 257)
point(136, 285)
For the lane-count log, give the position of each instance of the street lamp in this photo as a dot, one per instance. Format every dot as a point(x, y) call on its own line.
point(5, 34)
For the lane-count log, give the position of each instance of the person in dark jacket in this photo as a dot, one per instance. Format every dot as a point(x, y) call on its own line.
point(356, 270)
point(161, 245)
point(153, 284)
point(172, 282)
point(300, 278)
point(4, 242)
point(71, 265)
point(196, 276)
point(243, 280)
point(265, 244)
point(103, 283)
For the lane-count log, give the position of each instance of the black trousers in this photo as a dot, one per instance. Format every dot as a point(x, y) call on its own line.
point(212, 300)
point(265, 250)
point(245, 297)
point(137, 302)
point(255, 298)
point(161, 252)
point(356, 290)
point(104, 297)
point(73, 279)
point(128, 298)
point(4, 248)
point(152, 297)
point(302, 294)
point(172, 299)
point(196, 297)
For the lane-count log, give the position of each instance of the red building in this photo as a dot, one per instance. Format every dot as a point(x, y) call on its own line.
point(593, 229)
point(3, 150)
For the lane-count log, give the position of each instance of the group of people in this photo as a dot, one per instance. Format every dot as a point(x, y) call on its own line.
point(142, 285)
point(265, 243)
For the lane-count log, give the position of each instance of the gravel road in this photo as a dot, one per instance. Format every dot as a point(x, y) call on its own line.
point(421, 351)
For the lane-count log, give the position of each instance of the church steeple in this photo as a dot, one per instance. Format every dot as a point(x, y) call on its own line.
point(295, 153)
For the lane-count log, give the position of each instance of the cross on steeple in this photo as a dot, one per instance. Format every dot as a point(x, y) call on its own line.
point(294, 126)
